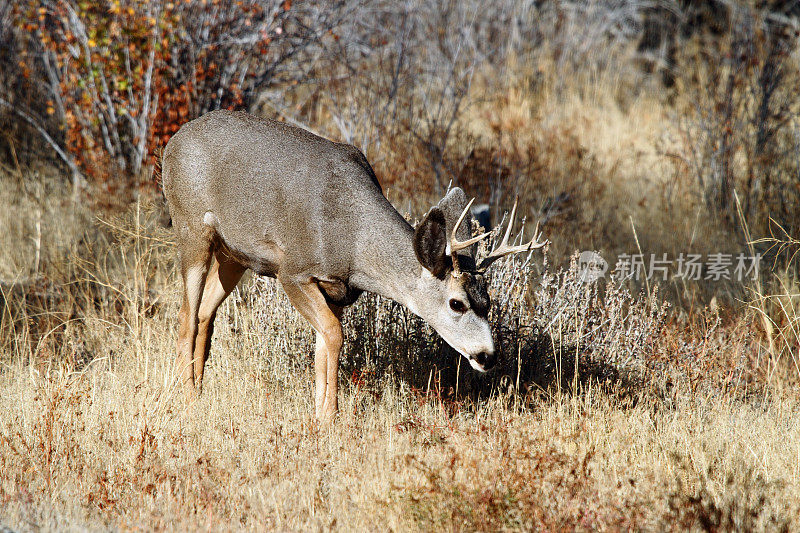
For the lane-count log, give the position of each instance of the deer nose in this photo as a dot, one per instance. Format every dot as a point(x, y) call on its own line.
point(486, 360)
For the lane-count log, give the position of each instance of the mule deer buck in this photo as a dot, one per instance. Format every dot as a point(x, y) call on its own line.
point(246, 192)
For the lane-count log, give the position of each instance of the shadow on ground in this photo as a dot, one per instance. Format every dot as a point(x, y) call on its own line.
point(531, 363)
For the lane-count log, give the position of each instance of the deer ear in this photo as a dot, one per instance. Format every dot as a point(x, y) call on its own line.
point(430, 243)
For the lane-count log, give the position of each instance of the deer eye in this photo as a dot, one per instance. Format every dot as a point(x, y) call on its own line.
point(457, 306)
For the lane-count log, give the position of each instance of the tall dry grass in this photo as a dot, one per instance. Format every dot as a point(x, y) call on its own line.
point(602, 414)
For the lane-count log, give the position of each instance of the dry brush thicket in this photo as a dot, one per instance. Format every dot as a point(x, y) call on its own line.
point(666, 404)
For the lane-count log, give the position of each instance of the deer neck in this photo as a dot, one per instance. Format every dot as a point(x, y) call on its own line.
point(387, 265)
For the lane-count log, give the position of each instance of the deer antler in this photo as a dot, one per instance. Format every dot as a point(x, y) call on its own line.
point(456, 245)
point(504, 249)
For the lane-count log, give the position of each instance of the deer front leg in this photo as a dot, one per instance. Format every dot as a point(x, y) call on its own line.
point(330, 366)
point(326, 368)
point(307, 298)
point(320, 374)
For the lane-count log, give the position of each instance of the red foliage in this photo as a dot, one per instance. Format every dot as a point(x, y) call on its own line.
point(129, 73)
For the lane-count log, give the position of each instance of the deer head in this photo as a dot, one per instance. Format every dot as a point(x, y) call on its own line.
point(451, 292)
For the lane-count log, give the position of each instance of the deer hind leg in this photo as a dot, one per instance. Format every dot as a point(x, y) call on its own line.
point(325, 319)
point(194, 269)
point(220, 281)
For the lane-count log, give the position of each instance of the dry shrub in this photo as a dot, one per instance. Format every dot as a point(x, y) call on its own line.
point(124, 75)
point(561, 185)
point(544, 325)
point(739, 125)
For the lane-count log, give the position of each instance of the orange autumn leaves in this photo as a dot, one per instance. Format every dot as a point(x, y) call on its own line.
point(125, 74)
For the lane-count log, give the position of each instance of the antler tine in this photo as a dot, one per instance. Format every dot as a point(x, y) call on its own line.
point(511, 219)
point(504, 249)
point(456, 245)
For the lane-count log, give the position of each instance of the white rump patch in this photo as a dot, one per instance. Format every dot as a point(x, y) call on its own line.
point(210, 219)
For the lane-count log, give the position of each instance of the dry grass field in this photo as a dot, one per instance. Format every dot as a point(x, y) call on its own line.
point(656, 405)
point(662, 425)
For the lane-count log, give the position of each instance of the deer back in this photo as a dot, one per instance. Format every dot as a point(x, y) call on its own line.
point(277, 197)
